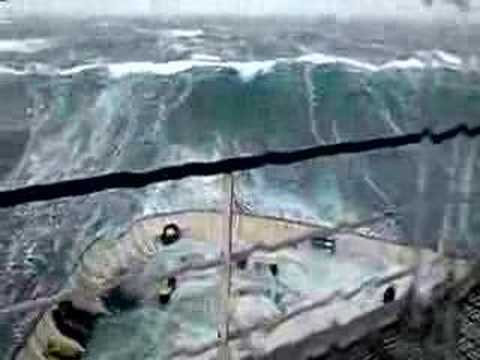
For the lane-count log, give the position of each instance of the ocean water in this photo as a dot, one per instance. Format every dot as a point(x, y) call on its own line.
point(150, 331)
point(86, 97)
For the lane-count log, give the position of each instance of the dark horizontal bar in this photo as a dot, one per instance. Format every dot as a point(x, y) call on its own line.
point(124, 180)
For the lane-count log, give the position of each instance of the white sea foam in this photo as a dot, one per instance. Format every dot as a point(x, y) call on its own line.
point(448, 58)
point(118, 70)
point(247, 70)
point(11, 71)
point(411, 63)
point(25, 46)
point(325, 59)
point(78, 69)
point(441, 59)
point(205, 57)
point(184, 33)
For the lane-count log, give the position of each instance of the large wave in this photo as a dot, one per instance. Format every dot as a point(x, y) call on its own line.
point(95, 118)
point(100, 117)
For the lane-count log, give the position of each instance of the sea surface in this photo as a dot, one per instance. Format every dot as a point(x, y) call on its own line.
point(87, 97)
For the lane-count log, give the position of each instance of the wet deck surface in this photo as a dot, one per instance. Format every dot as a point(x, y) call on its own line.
point(190, 317)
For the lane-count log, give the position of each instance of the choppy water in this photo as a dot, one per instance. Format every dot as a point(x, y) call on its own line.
point(88, 97)
point(191, 318)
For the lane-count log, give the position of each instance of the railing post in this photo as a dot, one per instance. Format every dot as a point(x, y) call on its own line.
point(226, 271)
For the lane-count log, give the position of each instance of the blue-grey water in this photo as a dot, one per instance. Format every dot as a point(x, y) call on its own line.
point(84, 97)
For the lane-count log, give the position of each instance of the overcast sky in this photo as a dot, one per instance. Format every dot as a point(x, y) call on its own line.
point(410, 8)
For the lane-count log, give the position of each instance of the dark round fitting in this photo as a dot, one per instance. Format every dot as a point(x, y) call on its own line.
point(169, 286)
point(242, 264)
point(170, 235)
point(172, 284)
point(273, 269)
point(164, 299)
point(389, 295)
